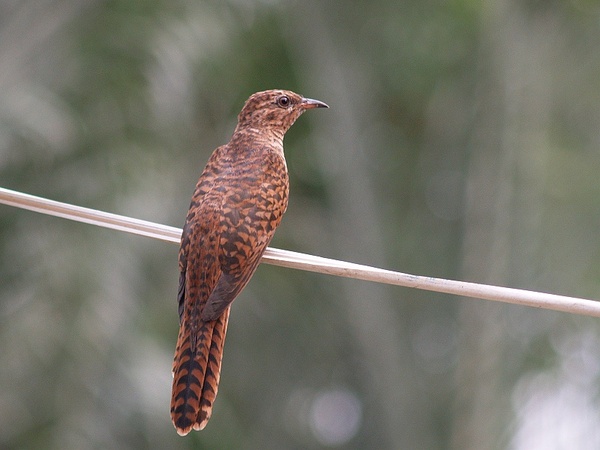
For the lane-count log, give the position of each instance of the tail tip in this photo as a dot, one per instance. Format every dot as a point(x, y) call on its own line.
point(183, 430)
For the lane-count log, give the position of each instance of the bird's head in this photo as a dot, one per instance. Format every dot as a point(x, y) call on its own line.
point(275, 110)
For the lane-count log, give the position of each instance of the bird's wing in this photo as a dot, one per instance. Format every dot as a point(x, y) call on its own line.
point(230, 285)
point(199, 239)
point(197, 361)
point(248, 221)
point(198, 263)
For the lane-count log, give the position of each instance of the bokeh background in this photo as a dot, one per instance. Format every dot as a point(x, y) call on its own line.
point(463, 141)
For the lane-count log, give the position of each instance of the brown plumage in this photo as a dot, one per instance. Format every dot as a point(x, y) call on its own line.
point(238, 203)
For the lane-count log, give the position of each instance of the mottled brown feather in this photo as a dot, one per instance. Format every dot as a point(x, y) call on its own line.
point(238, 203)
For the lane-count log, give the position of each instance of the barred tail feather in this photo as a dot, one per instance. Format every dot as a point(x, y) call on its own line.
point(196, 373)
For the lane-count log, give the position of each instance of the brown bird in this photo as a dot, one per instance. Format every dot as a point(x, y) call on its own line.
point(238, 203)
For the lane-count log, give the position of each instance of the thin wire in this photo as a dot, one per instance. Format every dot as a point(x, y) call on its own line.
point(295, 260)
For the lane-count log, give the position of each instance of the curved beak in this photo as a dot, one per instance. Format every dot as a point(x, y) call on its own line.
point(309, 103)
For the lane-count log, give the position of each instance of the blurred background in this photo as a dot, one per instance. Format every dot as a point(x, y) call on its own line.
point(462, 141)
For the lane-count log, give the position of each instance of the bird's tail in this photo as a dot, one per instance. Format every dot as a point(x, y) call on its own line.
point(196, 371)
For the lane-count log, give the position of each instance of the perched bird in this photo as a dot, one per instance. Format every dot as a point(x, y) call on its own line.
point(238, 203)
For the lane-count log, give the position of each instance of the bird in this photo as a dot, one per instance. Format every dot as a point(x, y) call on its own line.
point(236, 206)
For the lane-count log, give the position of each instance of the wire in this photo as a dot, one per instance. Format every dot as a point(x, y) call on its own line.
point(295, 260)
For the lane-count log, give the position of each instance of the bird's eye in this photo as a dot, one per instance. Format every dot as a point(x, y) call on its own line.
point(283, 101)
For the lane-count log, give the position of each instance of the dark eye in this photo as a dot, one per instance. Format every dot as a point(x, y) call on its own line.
point(283, 101)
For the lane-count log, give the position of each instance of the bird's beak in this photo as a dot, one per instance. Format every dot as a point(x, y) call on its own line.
point(309, 103)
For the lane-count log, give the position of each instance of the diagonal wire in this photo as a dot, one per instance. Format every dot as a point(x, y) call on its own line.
point(295, 260)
